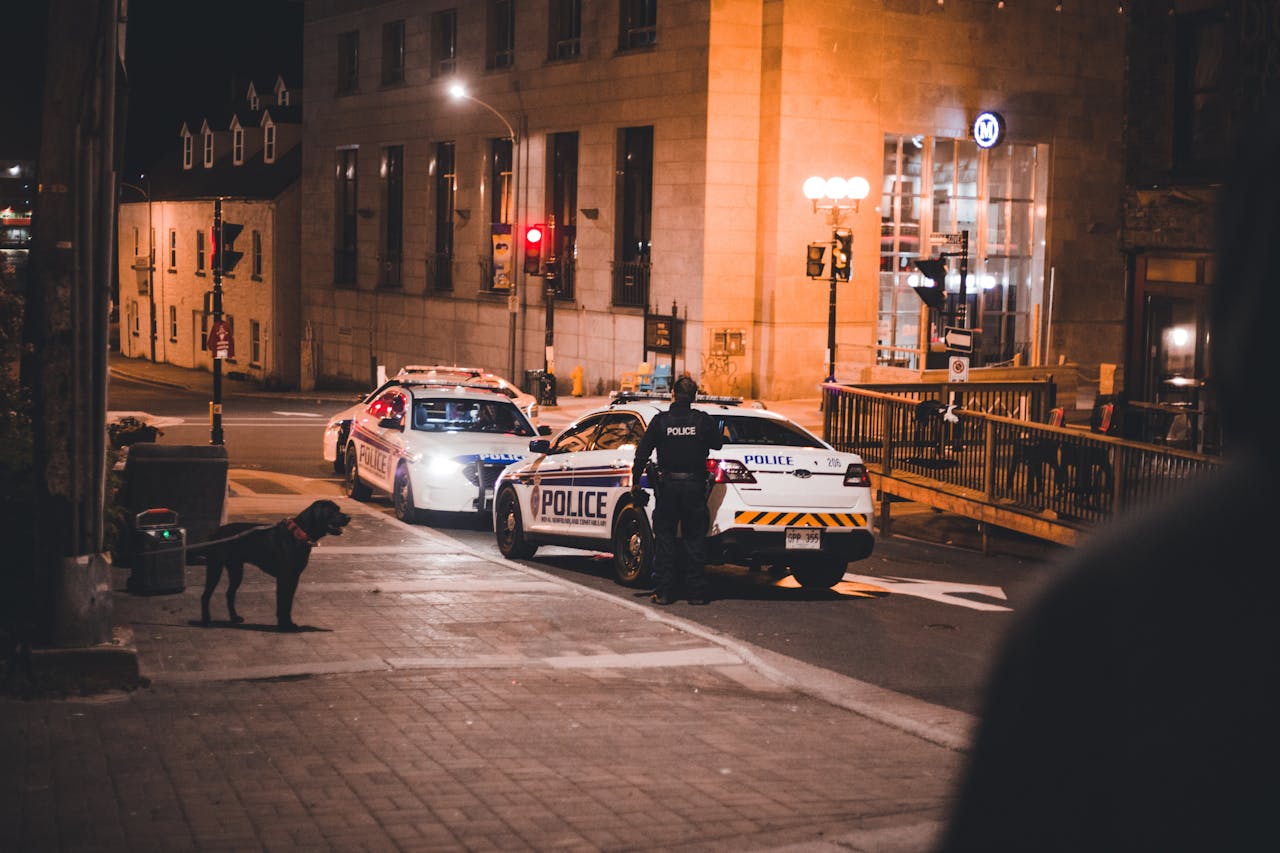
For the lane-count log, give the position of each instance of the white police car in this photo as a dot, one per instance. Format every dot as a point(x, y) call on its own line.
point(780, 496)
point(434, 447)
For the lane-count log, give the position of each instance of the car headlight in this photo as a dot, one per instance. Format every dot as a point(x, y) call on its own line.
point(442, 466)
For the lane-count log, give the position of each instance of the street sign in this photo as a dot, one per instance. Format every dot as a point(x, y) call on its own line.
point(960, 340)
point(220, 341)
point(958, 368)
point(940, 239)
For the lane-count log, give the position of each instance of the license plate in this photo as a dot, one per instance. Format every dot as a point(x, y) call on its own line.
point(804, 539)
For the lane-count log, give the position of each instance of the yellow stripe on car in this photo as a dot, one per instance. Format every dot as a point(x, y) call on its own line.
point(800, 519)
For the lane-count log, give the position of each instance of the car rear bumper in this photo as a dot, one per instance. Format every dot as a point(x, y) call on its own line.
point(747, 546)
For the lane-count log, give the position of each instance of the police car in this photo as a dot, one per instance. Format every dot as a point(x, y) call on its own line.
point(434, 447)
point(472, 377)
point(780, 495)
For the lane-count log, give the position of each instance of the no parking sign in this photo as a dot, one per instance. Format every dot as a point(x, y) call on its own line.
point(958, 368)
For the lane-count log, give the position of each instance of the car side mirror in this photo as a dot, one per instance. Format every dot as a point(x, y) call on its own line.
point(543, 429)
point(539, 445)
point(391, 423)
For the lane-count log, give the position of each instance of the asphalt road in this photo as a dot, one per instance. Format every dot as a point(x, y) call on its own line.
point(916, 617)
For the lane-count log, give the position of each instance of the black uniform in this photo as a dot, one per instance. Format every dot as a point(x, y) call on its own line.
point(682, 437)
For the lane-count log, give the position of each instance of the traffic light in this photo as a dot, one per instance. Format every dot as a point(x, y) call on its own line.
point(842, 253)
point(815, 264)
point(533, 249)
point(225, 256)
point(934, 295)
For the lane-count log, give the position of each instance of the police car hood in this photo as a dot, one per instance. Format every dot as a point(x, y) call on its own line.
point(794, 476)
point(499, 448)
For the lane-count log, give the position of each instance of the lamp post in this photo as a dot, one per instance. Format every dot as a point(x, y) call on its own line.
point(459, 93)
point(151, 260)
point(837, 196)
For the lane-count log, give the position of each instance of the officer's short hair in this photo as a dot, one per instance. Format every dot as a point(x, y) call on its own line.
point(685, 389)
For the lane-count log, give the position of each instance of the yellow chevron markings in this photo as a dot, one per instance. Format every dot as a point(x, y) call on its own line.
point(800, 519)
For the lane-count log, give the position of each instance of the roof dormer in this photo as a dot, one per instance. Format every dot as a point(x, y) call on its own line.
point(252, 98)
point(188, 146)
point(281, 92)
point(270, 141)
point(206, 141)
point(237, 142)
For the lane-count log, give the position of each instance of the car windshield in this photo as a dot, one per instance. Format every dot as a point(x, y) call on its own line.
point(442, 414)
point(740, 430)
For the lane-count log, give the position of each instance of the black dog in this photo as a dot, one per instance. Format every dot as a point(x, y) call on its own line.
point(281, 551)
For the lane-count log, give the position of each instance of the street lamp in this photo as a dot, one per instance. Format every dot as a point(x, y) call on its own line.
point(151, 259)
point(459, 93)
point(838, 196)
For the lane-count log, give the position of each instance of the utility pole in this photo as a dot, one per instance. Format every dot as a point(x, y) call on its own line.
point(215, 407)
point(549, 296)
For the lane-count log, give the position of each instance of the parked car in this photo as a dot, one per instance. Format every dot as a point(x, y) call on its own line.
point(780, 496)
point(434, 447)
point(472, 377)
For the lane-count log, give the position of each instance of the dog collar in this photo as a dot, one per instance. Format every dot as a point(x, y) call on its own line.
point(298, 533)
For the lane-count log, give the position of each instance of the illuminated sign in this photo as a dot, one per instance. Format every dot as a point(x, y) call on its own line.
point(988, 129)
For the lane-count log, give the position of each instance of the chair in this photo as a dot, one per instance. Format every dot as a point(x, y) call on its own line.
point(632, 380)
point(657, 382)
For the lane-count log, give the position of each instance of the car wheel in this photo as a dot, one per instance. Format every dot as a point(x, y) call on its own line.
point(509, 528)
point(355, 488)
point(632, 547)
point(402, 497)
point(823, 575)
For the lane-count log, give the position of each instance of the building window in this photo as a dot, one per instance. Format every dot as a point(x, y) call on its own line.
point(634, 196)
point(566, 29)
point(269, 143)
point(187, 147)
point(348, 62)
point(344, 244)
point(173, 324)
point(444, 42)
point(173, 250)
point(440, 262)
point(1201, 117)
point(199, 251)
point(255, 103)
point(392, 216)
point(283, 98)
point(502, 255)
point(255, 343)
point(937, 186)
point(639, 23)
point(255, 259)
point(237, 145)
point(204, 328)
point(208, 149)
point(501, 52)
point(392, 53)
point(562, 159)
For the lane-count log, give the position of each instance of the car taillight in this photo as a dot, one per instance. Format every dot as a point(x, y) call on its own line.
point(729, 471)
point(856, 475)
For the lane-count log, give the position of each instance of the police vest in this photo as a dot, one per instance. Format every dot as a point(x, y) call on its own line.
point(680, 448)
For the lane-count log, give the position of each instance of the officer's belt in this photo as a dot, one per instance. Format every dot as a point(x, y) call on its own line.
point(684, 475)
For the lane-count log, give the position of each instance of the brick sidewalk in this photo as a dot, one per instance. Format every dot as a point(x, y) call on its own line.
point(446, 700)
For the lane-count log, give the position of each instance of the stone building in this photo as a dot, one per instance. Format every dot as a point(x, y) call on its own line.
point(1203, 76)
point(669, 142)
point(252, 160)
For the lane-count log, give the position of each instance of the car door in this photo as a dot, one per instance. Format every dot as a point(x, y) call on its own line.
point(552, 491)
point(378, 446)
point(602, 472)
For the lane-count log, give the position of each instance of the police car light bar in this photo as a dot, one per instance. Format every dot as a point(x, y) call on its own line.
point(616, 397)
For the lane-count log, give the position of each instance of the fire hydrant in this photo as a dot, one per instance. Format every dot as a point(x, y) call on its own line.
point(576, 376)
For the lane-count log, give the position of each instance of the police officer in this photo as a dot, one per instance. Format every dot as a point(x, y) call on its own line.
point(682, 438)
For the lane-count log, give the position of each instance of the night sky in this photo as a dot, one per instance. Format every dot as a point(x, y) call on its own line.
point(188, 60)
point(184, 60)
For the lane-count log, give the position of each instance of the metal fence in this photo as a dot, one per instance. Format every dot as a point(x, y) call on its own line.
point(1061, 476)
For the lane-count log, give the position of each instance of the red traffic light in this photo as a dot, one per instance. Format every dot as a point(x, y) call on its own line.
point(533, 235)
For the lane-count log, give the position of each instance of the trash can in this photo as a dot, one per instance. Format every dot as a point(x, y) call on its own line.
point(159, 553)
point(533, 382)
point(190, 480)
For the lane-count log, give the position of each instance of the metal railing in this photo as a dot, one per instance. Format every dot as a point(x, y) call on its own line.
point(631, 284)
point(1047, 481)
